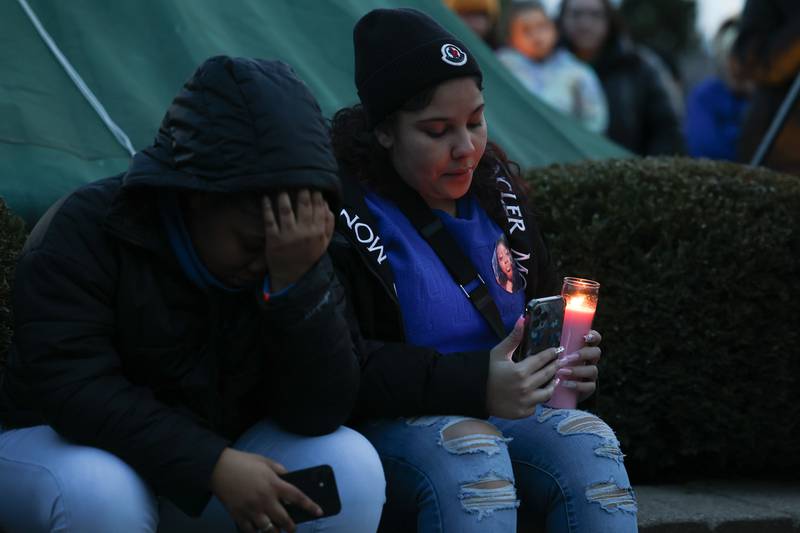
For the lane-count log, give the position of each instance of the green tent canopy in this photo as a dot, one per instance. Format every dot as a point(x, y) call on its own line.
point(134, 55)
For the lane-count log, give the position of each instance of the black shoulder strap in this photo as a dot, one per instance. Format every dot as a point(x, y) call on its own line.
point(357, 223)
point(457, 263)
point(515, 221)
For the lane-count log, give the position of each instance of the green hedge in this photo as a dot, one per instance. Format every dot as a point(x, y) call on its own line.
point(699, 307)
point(12, 236)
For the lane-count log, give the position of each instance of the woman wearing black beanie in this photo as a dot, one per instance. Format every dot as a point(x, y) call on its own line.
point(466, 441)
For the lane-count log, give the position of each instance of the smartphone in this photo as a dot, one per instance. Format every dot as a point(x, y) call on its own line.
point(319, 484)
point(543, 320)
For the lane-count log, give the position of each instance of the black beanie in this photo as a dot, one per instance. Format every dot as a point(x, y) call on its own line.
point(401, 52)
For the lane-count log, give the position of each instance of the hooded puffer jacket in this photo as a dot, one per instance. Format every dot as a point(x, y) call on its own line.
point(116, 348)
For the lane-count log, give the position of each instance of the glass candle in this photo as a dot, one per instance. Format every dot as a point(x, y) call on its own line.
point(580, 296)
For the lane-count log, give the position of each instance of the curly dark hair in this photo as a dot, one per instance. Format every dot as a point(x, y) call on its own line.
point(361, 156)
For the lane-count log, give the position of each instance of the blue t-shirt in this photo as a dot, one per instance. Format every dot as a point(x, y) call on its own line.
point(436, 312)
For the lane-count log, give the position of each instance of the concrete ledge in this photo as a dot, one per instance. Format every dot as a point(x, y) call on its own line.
point(719, 507)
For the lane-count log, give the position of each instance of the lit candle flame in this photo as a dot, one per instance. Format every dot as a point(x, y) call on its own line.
point(580, 303)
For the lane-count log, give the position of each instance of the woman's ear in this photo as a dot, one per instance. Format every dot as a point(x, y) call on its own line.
point(385, 138)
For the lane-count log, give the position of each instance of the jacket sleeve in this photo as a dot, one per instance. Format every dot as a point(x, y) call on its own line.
point(400, 379)
point(592, 105)
point(308, 334)
point(661, 103)
point(662, 120)
point(65, 329)
point(404, 380)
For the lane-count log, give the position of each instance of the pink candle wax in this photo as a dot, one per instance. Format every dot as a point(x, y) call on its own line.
point(578, 317)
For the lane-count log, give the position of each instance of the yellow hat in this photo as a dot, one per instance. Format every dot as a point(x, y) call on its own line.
point(490, 7)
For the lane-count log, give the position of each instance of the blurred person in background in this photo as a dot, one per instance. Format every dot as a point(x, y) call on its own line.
point(716, 107)
point(643, 99)
point(551, 72)
point(480, 16)
point(769, 50)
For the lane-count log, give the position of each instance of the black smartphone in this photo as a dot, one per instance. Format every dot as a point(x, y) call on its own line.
point(543, 320)
point(319, 484)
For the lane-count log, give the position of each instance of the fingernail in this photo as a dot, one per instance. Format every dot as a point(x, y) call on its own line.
point(589, 337)
point(571, 358)
point(319, 511)
point(560, 350)
point(569, 384)
point(564, 371)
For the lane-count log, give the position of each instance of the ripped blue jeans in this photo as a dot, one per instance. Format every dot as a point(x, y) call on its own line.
point(557, 471)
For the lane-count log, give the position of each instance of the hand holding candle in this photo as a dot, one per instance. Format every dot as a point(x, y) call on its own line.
point(580, 296)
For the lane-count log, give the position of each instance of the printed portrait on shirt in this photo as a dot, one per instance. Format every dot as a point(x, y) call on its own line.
point(505, 272)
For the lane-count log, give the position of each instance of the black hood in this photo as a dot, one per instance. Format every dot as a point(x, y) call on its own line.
point(240, 125)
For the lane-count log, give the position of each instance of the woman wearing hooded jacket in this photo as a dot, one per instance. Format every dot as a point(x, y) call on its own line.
point(644, 103)
point(178, 330)
point(466, 442)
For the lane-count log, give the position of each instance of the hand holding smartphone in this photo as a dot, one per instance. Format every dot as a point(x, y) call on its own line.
point(543, 320)
point(319, 484)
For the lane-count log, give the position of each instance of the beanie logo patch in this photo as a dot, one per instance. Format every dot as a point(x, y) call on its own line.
point(453, 55)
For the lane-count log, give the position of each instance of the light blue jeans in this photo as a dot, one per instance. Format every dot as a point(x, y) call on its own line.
point(48, 484)
point(558, 471)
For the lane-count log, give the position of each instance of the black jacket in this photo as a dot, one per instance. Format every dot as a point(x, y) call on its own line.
point(400, 379)
point(644, 112)
point(114, 347)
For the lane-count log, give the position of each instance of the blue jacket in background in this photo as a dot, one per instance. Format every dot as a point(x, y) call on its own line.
point(714, 117)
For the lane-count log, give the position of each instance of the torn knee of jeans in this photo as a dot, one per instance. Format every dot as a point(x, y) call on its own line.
point(489, 494)
point(470, 435)
point(581, 423)
point(611, 496)
point(546, 413)
point(610, 450)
